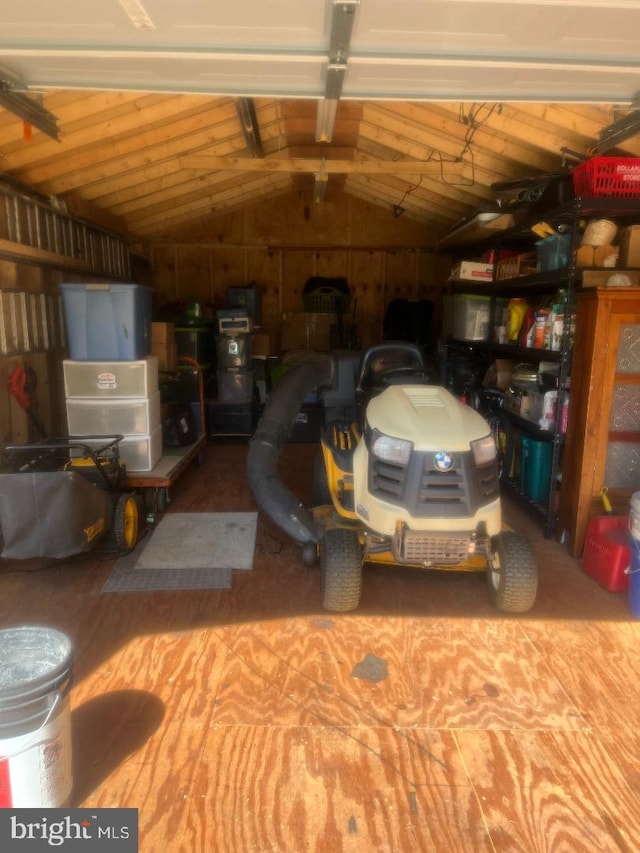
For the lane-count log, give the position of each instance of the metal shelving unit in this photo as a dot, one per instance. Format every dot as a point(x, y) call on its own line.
point(569, 280)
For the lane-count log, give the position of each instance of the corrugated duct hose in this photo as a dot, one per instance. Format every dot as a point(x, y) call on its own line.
point(273, 430)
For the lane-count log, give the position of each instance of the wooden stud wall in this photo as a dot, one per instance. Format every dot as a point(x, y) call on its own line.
point(280, 244)
point(32, 336)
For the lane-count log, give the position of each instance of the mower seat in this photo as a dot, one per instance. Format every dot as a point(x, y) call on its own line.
point(385, 364)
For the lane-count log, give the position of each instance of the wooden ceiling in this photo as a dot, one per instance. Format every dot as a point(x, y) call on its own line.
point(142, 164)
point(438, 100)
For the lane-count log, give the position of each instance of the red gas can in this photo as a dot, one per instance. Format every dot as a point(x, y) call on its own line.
point(607, 552)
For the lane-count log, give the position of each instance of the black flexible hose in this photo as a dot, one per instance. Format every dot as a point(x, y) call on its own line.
point(272, 432)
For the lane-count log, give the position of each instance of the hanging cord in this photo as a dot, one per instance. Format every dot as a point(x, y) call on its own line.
point(474, 122)
point(410, 190)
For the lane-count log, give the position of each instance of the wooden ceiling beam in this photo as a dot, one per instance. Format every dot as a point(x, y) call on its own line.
point(332, 167)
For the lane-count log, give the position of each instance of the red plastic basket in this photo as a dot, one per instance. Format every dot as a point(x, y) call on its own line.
point(615, 177)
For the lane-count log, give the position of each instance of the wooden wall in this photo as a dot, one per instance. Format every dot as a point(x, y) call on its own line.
point(29, 334)
point(32, 337)
point(279, 244)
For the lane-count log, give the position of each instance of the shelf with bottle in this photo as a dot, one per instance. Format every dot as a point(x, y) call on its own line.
point(607, 262)
point(537, 409)
point(542, 324)
point(513, 328)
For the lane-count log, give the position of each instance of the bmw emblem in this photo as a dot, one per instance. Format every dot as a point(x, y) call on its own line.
point(443, 461)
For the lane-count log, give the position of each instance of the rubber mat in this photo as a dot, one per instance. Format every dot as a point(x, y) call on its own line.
point(188, 551)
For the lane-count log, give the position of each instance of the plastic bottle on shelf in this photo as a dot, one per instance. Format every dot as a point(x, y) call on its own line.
point(516, 310)
point(525, 338)
point(541, 336)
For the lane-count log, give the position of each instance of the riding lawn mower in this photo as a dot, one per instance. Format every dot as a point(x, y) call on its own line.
point(408, 477)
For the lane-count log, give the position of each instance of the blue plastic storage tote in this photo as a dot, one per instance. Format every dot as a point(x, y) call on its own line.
point(107, 322)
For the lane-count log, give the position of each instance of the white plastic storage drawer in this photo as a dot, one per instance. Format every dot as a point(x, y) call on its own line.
point(111, 378)
point(138, 452)
point(126, 416)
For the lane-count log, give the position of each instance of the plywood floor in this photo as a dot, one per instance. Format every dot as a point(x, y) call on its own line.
point(234, 720)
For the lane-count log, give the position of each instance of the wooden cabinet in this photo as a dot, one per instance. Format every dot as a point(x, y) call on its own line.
point(602, 448)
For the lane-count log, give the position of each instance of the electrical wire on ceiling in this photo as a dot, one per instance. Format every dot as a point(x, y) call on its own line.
point(473, 120)
point(459, 159)
point(398, 209)
point(474, 123)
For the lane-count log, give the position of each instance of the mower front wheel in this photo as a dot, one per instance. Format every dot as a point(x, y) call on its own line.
point(125, 523)
point(341, 570)
point(512, 575)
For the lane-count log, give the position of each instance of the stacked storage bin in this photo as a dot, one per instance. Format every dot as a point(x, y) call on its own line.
point(110, 379)
point(195, 352)
point(234, 409)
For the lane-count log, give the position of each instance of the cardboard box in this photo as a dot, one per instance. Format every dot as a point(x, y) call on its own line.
point(261, 344)
point(499, 373)
point(472, 271)
point(162, 333)
point(167, 355)
point(629, 238)
point(585, 256)
point(300, 330)
point(605, 256)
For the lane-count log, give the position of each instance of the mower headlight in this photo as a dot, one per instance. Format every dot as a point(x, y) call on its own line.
point(394, 450)
point(484, 450)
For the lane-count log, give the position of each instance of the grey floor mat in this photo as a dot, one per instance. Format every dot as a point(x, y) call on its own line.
point(188, 551)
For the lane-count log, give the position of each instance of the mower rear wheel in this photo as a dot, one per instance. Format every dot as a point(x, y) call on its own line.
point(125, 523)
point(341, 570)
point(512, 575)
point(320, 494)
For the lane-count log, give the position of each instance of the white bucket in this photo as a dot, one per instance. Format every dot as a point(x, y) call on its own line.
point(634, 516)
point(35, 723)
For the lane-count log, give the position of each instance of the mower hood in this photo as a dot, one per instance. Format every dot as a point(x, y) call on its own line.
point(427, 415)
